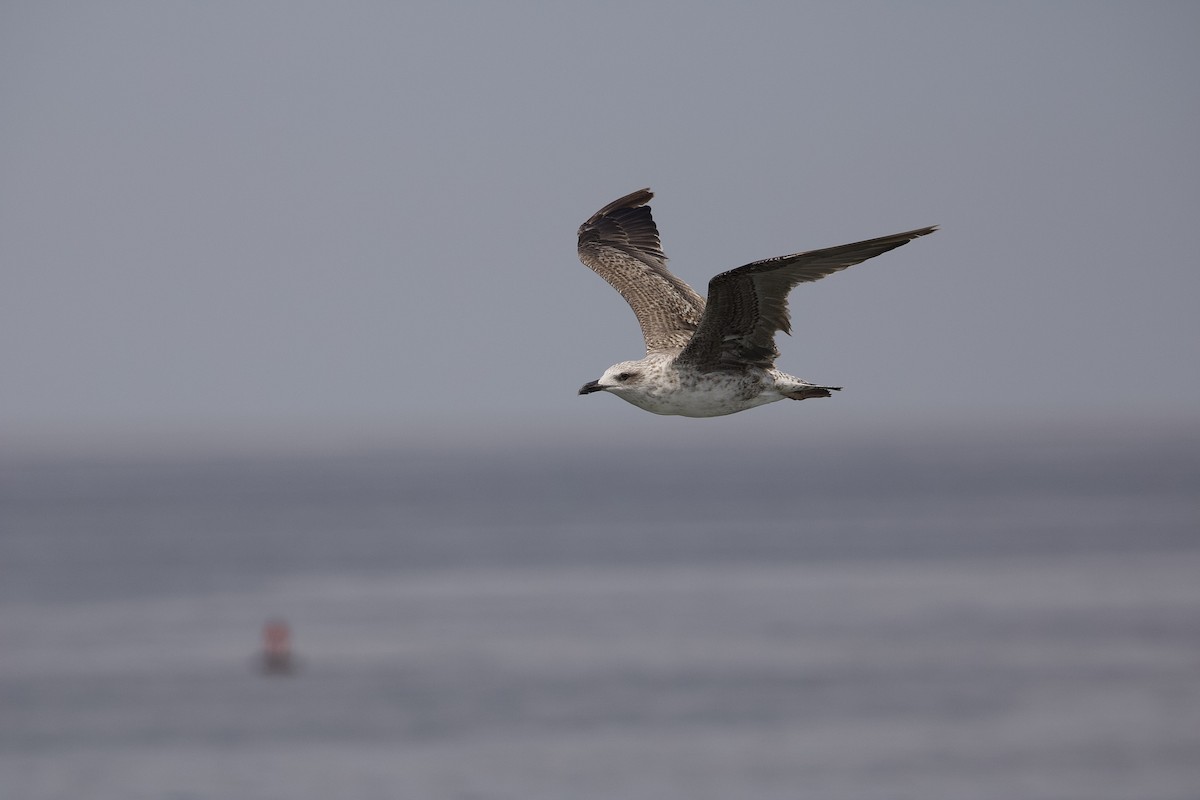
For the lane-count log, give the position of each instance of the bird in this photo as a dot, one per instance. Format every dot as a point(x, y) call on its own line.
point(705, 358)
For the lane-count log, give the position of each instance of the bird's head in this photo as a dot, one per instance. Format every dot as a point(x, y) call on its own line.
point(621, 379)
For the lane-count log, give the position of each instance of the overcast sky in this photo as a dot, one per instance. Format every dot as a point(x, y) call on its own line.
point(355, 222)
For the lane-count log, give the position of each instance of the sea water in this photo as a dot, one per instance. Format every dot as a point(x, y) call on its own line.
point(983, 620)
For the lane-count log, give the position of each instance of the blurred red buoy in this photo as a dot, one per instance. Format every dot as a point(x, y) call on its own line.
point(277, 656)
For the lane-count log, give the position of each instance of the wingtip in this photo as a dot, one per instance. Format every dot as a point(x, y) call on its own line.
point(635, 199)
point(631, 200)
point(908, 236)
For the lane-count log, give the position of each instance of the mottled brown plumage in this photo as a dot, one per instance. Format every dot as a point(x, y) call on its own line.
point(620, 243)
point(705, 358)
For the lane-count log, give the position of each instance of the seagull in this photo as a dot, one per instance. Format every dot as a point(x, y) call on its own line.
point(705, 359)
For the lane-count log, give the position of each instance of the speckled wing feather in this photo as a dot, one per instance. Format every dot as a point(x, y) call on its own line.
point(747, 305)
point(620, 244)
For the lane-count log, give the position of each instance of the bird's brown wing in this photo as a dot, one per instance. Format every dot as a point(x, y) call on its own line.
point(747, 305)
point(620, 243)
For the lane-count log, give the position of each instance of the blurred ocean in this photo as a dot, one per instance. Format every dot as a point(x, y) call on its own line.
point(985, 619)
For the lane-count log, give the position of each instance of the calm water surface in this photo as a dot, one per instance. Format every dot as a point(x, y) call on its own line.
point(1005, 619)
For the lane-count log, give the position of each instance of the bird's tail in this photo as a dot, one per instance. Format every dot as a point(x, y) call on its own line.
point(806, 392)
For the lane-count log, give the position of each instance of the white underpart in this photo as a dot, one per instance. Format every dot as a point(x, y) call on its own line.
point(665, 387)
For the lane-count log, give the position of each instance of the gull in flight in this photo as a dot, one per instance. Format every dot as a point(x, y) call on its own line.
point(714, 357)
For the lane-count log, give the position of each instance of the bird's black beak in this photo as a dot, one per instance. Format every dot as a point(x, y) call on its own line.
point(591, 386)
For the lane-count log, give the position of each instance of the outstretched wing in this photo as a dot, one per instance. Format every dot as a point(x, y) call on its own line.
point(747, 305)
point(620, 244)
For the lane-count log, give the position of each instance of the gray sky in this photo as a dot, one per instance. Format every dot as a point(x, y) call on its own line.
point(339, 223)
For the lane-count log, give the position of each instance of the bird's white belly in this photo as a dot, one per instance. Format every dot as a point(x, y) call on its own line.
point(710, 398)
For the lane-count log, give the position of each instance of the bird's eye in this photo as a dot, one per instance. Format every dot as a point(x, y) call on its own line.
point(624, 376)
